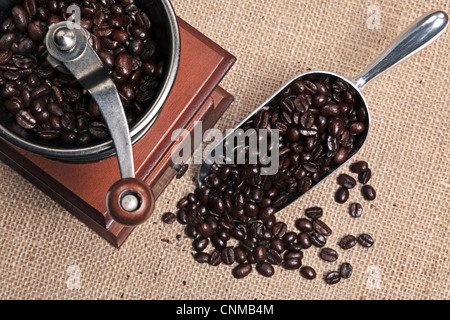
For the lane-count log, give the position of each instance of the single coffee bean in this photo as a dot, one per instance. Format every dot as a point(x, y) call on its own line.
point(215, 258)
point(240, 255)
point(314, 212)
point(205, 230)
point(25, 120)
point(277, 245)
point(242, 270)
point(359, 166)
point(322, 228)
point(289, 237)
point(304, 240)
point(228, 256)
point(274, 257)
point(365, 240)
point(191, 231)
point(123, 65)
point(168, 218)
point(342, 195)
point(356, 210)
point(346, 181)
point(265, 269)
point(292, 264)
point(328, 255)
point(304, 225)
point(332, 278)
point(308, 273)
point(317, 239)
point(364, 177)
point(200, 244)
point(279, 229)
point(345, 270)
point(368, 193)
point(20, 16)
point(347, 242)
point(201, 257)
point(260, 254)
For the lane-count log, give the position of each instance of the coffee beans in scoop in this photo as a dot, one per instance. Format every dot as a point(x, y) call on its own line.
point(52, 104)
point(237, 205)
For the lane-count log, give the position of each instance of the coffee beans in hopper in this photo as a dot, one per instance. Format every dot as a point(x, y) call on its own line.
point(52, 104)
point(235, 209)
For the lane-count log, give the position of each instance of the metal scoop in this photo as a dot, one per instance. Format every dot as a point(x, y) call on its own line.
point(129, 201)
point(422, 33)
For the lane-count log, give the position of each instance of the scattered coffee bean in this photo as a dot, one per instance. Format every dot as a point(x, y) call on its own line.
point(314, 212)
point(265, 269)
point(308, 273)
point(347, 242)
point(332, 277)
point(346, 181)
point(328, 255)
point(365, 240)
point(364, 177)
point(356, 210)
point(322, 228)
point(345, 270)
point(168, 218)
point(342, 195)
point(368, 193)
point(242, 270)
point(359, 166)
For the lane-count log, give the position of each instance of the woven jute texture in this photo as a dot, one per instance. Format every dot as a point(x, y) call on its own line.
point(44, 249)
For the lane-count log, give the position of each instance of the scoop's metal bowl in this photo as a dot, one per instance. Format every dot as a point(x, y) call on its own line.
point(165, 32)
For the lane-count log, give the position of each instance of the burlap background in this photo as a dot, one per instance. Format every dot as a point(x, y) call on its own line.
point(408, 151)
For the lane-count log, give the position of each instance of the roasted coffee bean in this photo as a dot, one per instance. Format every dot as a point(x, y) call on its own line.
point(346, 181)
point(98, 130)
point(265, 269)
point(191, 231)
point(25, 120)
point(228, 256)
point(364, 177)
point(356, 210)
point(292, 264)
point(215, 258)
point(201, 257)
point(277, 245)
point(200, 244)
point(168, 218)
point(289, 237)
point(21, 17)
point(359, 166)
point(317, 239)
point(308, 273)
point(314, 212)
point(242, 270)
point(328, 255)
point(274, 257)
point(347, 242)
point(345, 270)
point(322, 228)
point(342, 195)
point(304, 240)
point(365, 240)
point(279, 229)
point(260, 254)
point(304, 225)
point(205, 230)
point(332, 278)
point(240, 255)
point(368, 193)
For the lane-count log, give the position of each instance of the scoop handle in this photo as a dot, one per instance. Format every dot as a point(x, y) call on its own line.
point(417, 37)
point(130, 201)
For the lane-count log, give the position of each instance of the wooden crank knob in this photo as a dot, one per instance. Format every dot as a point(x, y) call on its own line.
point(130, 202)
